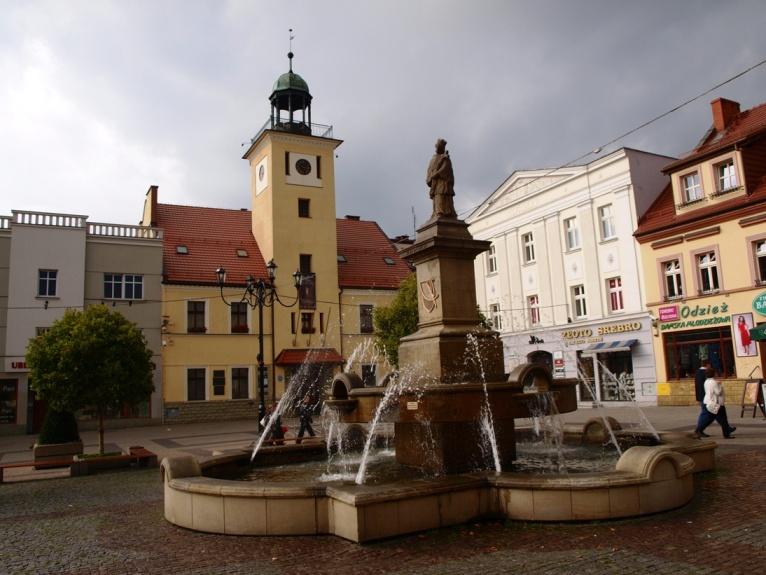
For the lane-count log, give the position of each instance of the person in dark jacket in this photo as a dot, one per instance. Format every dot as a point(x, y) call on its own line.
point(275, 433)
point(304, 413)
point(699, 394)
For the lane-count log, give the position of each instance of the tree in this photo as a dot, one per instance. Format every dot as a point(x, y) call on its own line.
point(397, 320)
point(93, 358)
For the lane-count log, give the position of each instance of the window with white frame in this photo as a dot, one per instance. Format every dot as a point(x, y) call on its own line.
point(571, 233)
point(759, 252)
point(533, 303)
point(579, 305)
point(606, 222)
point(707, 266)
point(47, 281)
point(692, 187)
point(673, 283)
point(491, 260)
point(123, 286)
point(726, 177)
point(528, 245)
point(614, 289)
point(495, 316)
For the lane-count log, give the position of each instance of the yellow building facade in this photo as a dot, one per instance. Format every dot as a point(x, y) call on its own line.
point(347, 267)
point(703, 250)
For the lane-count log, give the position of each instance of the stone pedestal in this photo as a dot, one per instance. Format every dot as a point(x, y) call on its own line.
point(443, 255)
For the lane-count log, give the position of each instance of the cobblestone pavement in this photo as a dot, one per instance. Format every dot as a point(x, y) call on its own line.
point(113, 523)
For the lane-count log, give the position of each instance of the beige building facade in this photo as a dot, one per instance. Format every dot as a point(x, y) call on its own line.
point(703, 247)
point(53, 262)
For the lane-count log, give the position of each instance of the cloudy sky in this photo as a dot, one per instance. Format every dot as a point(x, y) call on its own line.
point(99, 99)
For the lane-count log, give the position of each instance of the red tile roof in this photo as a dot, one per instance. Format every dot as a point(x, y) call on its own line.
point(314, 355)
point(746, 124)
point(364, 246)
point(213, 236)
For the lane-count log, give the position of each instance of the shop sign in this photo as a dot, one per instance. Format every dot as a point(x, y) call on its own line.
point(558, 364)
point(580, 336)
point(619, 328)
point(759, 304)
point(699, 316)
point(669, 313)
point(16, 364)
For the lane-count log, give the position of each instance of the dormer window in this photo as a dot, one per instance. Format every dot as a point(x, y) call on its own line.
point(241, 253)
point(183, 250)
point(725, 177)
point(692, 187)
point(389, 261)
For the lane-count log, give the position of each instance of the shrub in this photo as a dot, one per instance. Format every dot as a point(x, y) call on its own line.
point(58, 427)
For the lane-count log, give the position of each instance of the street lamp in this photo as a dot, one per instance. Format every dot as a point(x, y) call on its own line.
point(259, 293)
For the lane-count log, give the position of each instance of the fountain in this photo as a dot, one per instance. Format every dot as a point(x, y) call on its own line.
point(454, 420)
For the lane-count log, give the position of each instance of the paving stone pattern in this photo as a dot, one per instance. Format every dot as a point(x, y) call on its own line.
point(113, 523)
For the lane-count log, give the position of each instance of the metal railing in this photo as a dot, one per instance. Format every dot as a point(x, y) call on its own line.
point(124, 231)
point(318, 130)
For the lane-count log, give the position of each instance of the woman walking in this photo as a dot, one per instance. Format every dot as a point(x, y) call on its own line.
point(714, 408)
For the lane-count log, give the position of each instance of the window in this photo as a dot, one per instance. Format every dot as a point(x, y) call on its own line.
point(195, 316)
point(41, 330)
point(342, 259)
point(707, 264)
point(219, 382)
point(528, 242)
point(578, 301)
point(241, 253)
point(303, 208)
point(123, 286)
point(614, 288)
point(491, 260)
point(759, 249)
point(239, 317)
point(673, 284)
point(606, 221)
point(8, 400)
point(726, 178)
point(533, 303)
point(240, 383)
point(368, 375)
point(365, 318)
point(182, 250)
point(692, 187)
point(389, 261)
point(495, 316)
point(571, 233)
point(305, 263)
point(685, 351)
point(195, 384)
point(46, 285)
point(307, 322)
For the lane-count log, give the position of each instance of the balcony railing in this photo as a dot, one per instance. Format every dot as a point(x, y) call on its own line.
point(124, 231)
point(48, 219)
point(318, 130)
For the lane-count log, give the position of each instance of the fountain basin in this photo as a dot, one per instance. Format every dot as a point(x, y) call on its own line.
point(647, 479)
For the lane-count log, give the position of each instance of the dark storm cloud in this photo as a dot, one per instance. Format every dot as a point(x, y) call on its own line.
point(121, 95)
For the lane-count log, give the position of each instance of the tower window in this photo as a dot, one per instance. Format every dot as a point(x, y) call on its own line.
point(303, 208)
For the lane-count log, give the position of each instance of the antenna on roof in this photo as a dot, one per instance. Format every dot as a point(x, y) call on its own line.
point(414, 223)
point(290, 53)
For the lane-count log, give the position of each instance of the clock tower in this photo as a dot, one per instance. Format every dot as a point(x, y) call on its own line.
point(293, 214)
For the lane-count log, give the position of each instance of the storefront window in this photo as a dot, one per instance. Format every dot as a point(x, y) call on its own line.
point(614, 381)
point(685, 351)
point(8, 400)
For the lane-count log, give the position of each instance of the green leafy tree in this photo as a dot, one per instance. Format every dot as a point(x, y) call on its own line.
point(397, 320)
point(93, 358)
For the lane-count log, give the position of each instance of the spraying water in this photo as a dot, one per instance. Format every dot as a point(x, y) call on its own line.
point(584, 380)
point(486, 421)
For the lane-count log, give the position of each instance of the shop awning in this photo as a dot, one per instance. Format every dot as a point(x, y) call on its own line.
point(758, 333)
point(311, 355)
point(608, 346)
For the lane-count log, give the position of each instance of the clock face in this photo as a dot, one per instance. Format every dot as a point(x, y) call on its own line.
point(303, 167)
point(261, 172)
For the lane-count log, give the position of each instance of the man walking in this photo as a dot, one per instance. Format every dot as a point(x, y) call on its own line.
point(304, 414)
point(699, 393)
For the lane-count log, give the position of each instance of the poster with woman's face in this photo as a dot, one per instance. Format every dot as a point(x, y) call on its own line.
point(742, 323)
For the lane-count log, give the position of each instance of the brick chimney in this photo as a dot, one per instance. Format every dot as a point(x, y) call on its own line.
point(724, 113)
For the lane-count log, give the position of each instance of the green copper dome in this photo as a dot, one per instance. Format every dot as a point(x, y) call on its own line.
point(290, 81)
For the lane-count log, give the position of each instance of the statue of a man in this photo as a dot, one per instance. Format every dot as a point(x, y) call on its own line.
point(441, 181)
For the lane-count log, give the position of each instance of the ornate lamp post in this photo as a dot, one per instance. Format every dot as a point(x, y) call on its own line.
point(260, 293)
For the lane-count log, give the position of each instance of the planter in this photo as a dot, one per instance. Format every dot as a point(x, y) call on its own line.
point(55, 452)
point(92, 464)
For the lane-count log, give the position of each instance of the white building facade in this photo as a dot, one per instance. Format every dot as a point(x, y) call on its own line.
point(562, 282)
point(53, 262)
